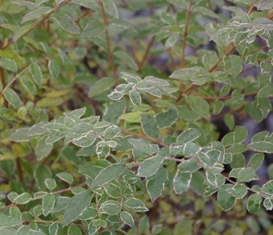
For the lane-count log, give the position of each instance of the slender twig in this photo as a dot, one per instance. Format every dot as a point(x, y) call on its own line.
point(182, 58)
point(186, 32)
point(86, 13)
point(145, 137)
point(251, 7)
point(134, 49)
point(40, 197)
point(19, 75)
point(269, 15)
point(19, 170)
point(79, 93)
point(146, 53)
point(109, 51)
point(225, 97)
point(226, 113)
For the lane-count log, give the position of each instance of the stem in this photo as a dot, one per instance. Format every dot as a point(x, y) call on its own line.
point(182, 58)
point(146, 53)
point(19, 170)
point(110, 54)
point(251, 7)
point(19, 75)
point(145, 137)
point(40, 197)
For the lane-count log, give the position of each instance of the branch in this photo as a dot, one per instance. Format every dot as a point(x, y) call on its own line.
point(19, 75)
point(110, 54)
point(145, 137)
point(40, 197)
point(182, 58)
point(146, 53)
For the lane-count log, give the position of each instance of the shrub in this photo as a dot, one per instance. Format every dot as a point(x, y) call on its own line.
point(109, 110)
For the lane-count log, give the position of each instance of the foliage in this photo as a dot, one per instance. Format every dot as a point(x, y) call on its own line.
point(108, 116)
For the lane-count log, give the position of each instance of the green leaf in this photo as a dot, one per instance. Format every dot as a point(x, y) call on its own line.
point(108, 174)
point(268, 204)
point(113, 190)
point(261, 146)
point(8, 221)
point(132, 117)
point(197, 75)
point(127, 218)
point(233, 64)
point(33, 15)
point(12, 97)
point(53, 228)
point(238, 191)
point(101, 86)
point(36, 73)
point(111, 132)
point(76, 206)
point(256, 161)
point(8, 64)
point(116, 95)
point(144, 146)
point(199, 105)
point(15, 212)
point(166, 119)
point(144, 225)
point(218, 106)
point(188, 135)
point(92, 229)
point(48, 102)
point(225, 200)
point(42, 148)
point(268, 188)
point(157, 229)
point(238, 161)
point(130, 77)
point(50, 183)
point(54, 68)
point(93, 28)
point(23, 198)
point(150, 166)
point(110, 207)
point(113, 111)
point(73, 229)
point(28, 84)
point(240, 134)
point(20, 135)
point(265, 4)
point(247, 174)
point(68, 178)
point(135, 98)
point(89, 213)
point(126, 59)
point(210, 158)
point(66, 22)
point(155, 184)
point(181, 181)
point(48, 203)
point(135, 205)
point(189, 166)
point(85, 141)
point(253, 203)
point(149, 126)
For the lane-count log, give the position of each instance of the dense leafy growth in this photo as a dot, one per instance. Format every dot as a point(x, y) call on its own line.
point(109, 114)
